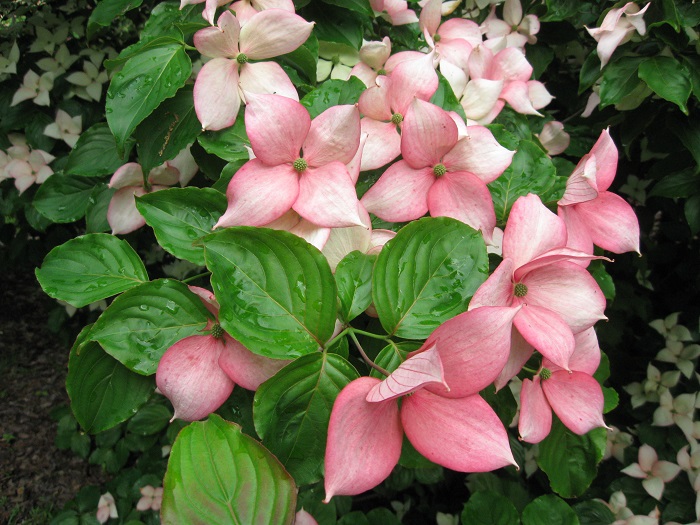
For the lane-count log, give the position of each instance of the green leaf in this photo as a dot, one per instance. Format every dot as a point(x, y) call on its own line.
point(692, 213)
point(276, 291)
point(142, 323)
point(570, 461)
point(102, 391)
point(593, 513)
point(502, 402)
point(34, 130)
point(668, 78)
point(549, 510)
point(149, 420)
point(332, 93)
point(590, 72)
point(603, 278)
point(292, 409)
point(338, 25)
point(228, 144)
point(181, 216)
point(427, 274)
point(353, 277)
point(688, 132)
point(217, 474)
point(95, 154)
point(168, 130)
point(359, 6)
point(489, 508)
point(558, 10)
point(620, 78)
point(682, 184)
point(304, 58)
point(611, 399)
point(63, 198)
point(106, 12)
point(96, 210)
point(392, 355)
point(90, 268)
point(531, 171)
point(146, 80)
point(445, 98)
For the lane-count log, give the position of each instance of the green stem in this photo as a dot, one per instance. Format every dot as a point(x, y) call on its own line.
point(534, 372)
point(370, 334)
point(364, 355)
point(337, 337)
point(194, 277)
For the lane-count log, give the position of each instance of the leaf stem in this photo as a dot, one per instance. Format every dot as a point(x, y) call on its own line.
point(532, 371)
point(370, 334)
point(337, 337)
point(369, 362)
point(194, 277)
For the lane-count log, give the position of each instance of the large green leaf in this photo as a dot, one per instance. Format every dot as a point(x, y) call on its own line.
point(180, 216)
point(531, 171)
point(360, 6)
point(168, 130)
point(354, 279)
point(106, 12)
point(594, 512)
point(146, 80)
point(228, 144)
point(549, 510)
point(90, 268)
point(668, 78)
point(95, 154)
point(276, 291)
point(63, 198)
point(291, 411)
point(571, 461)
point(427, 274)
point(304, 58)
point(445, 97)
point(96, 211)
point(489, 508)
point(332, 93)
point(334, 24)
point(141, 324)
point(219, 476)
point(102, 391)
point(620, 78)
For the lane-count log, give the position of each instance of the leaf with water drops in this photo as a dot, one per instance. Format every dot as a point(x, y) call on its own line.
point(102, 391)
point(276, 291)
point(291, 411)
point(427, 274)
point(95, 154)
point(354, 279)
point(64, 198)
point(218, 475)
point(181, 216)
point(141, 324)
point(147, 79)
point(90, 268)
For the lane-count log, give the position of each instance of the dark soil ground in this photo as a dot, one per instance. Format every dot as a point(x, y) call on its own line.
point(36, 479)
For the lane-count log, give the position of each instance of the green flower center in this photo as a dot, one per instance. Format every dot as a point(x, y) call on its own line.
point(520, 290)
point(545, 373)
point(300, 165)
point(381, 72)
point(436, 38)
point(216, 331)
point(242, 58)
point(397, 118)
point(439, 170)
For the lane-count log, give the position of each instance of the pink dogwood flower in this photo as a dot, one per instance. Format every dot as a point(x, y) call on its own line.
point(198, 373)
point(151, 498)
point(373, 57)
point(26, 165)
point(592, 214)
point(445, 418)
point(553, 137)
point(653, 473)
point(225, 80)
point(439, 172)
point(574, 396)
point(106, 508)
point(557, 297)
point(515, 30)
point(299, 165)
point(396, 12)
point(245, 9)
point(617, 28)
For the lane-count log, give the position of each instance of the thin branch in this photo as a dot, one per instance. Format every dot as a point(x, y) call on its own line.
point(364, 355)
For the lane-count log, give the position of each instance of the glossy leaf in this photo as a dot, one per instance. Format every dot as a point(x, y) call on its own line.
point(291, 411)
point(571, 461)
point(359, 6)
point(333, 93)
point(334, 24)
point(304, 58)
point(594, 513)
point(668, 78)
point(276, 291)
point(141, 324)
point(218, 475)
point(90, 268)
point(445, 97)
point(95, 154)
point(392, 355)
point(531, 171)
point(620, 78)
point(426, 275)
point(228, 144)
point(96, 210)
point(103, 392)
point(146, 80)
point(489, 508)
point(106, 12)
point(549, 510)
point(181, 216)
point(168, 130)
point(353, 277)
point(63, 198)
